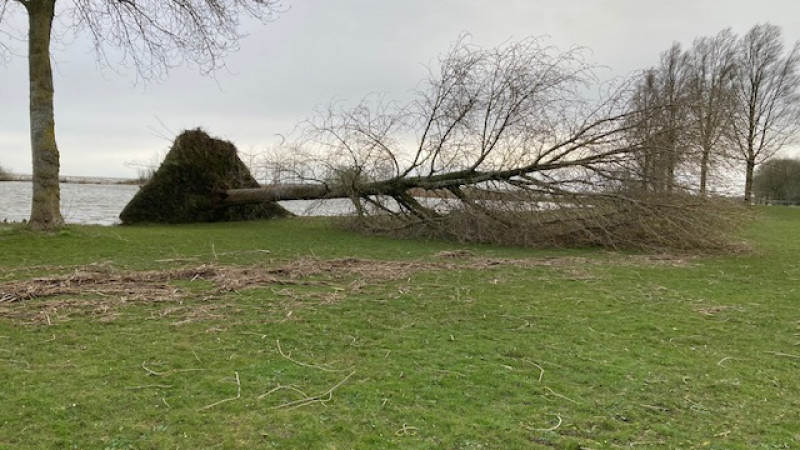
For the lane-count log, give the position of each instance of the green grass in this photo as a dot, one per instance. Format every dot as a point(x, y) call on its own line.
point(507, 348)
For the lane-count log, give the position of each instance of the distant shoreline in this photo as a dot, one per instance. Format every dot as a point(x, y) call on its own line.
point(81, 180)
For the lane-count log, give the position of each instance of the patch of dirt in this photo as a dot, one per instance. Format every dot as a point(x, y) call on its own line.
point(98, 288)
point(716, 309)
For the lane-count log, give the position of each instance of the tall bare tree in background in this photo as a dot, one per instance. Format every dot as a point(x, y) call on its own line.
point(712, 68)
point(724, 100)
point(659, 115)
point(767, 90)
point(152, 35)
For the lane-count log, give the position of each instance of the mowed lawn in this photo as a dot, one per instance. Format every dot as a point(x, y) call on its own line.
point(294, 334)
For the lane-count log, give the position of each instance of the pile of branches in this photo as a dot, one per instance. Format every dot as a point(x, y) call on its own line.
point(667, 223)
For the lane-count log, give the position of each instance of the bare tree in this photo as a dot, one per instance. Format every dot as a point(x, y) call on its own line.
point(152, 35)
point(659, 112)
point(767, 89)
point(712, 67)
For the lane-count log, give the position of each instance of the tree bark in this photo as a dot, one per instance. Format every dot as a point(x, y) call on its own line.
point(280, 192)
point(45, 205)
point(748, 181)
point(704, 163)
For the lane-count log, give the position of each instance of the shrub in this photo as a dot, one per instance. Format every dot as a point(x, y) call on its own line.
point(5, 175)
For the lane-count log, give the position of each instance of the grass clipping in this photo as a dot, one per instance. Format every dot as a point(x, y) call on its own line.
point(684, 223)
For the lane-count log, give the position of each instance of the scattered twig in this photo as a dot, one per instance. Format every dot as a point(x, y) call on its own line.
point(787, 355)
point(280, 387)
point(562, 396)
point(262, 335)
point(238, 395)
point(322, 398)
point(169, 372)
point(149, 386)
point(300, 363)
point(406, 430)
point(721, 361)
point(553, 428)
point(150, 372)
point(541, 370)
point(175, 260)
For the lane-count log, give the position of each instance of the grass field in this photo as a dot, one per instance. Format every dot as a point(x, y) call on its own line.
point(293, 334)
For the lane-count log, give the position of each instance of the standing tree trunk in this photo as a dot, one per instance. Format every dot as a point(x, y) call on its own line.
point(705, 162)
point(748, 180)
point(45, 207)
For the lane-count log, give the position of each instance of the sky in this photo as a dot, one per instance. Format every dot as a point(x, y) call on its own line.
point(107, 121)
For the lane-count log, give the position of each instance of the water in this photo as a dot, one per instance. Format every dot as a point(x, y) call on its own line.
point(101, 204)
point(80, 203)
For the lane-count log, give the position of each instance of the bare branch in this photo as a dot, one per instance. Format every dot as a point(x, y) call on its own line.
point(156, 36)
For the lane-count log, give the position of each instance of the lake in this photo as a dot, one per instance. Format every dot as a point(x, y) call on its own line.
point(101, 204)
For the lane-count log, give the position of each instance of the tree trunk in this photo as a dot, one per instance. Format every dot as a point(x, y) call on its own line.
point(748, 181)
point(704, 163)
point(45, 205)
point(232, 197)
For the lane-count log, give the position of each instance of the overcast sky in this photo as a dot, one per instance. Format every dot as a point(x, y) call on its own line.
point(322, 49)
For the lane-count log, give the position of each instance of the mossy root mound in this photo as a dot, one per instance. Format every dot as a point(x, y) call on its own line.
point(182, 189)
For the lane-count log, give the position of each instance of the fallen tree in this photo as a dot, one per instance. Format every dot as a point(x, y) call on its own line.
point(499, 145)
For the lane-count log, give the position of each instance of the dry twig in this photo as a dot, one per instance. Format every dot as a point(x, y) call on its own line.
point(151, 372)
point(238, 395)
point(321, 398)
point(148, 386)
point(300, 363)
point(553, 428)
point(561, 396)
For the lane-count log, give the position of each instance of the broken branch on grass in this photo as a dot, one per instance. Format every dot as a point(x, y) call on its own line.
point(148, 386)
point(553, 428)
point(562, 396)
point(541, 370)
point(151, 372)
point(281, 386)
point(238, 395)
point(721, 362)
point(300, 363)
point(406, 430)
point(321, 398)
